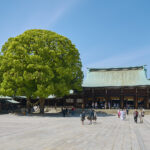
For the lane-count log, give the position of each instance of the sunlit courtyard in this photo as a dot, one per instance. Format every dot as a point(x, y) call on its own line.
point(58, 133)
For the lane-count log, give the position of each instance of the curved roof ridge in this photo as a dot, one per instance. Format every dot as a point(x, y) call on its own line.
point(117, 68)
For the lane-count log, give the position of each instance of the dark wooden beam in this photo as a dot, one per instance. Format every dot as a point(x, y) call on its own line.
point(106, 99)
point(147, 99)
point(136, 99)
point(122, 99)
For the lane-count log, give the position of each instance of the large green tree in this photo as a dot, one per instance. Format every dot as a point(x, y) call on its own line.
point(38, 63)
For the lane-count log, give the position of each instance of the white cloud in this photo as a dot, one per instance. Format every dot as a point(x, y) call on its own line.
point(60, 11)
point(49, 17)
point(43, 19)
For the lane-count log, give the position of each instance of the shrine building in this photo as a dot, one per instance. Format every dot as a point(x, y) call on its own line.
point(116, 87)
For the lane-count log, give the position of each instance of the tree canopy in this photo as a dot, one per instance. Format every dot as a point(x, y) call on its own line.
point(39, 63)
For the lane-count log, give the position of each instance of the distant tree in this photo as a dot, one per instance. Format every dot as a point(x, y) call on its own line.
point(39, 63)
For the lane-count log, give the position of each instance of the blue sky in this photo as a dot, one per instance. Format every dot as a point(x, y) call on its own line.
point(107, 33)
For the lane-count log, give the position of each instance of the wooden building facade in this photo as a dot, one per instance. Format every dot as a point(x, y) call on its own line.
point(117, 87)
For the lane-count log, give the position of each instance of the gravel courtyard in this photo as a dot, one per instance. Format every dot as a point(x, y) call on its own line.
point(58, 133)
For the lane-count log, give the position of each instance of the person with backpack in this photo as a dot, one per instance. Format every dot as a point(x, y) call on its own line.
point(82, 115)
point(90, 115)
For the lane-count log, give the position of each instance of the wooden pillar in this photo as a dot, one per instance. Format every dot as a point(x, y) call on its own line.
point(110, 100)
point(83, 97)
point(121, 99)
point(75, 101)
point(85, 102)
point(64, 101)
point(106, 99)
point(136, 99)
point(93, 96)
point(147, 99)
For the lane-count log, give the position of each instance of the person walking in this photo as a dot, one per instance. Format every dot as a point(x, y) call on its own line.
point(143, 112)
point(141, 116)
point(91, 116)
point(95, 116)
point(72, 110)
point(82, 117)
point(118, 113)
point(127, 111)
point(66, 112)
point(63, 112)
point(121, 114)
point(135, 114)
point(124, 114)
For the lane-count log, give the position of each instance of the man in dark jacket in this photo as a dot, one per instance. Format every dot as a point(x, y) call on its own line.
point(135, 114)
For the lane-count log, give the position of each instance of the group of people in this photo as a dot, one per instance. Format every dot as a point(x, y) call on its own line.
point(122, 114)
point(91, 116)
point(139, 115)
point(67, 112)
point(102, 105)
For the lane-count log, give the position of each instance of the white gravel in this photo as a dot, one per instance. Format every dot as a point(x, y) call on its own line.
point(58, 133)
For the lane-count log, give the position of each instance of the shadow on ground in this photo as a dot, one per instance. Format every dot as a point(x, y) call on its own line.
point(56, 113)
point(59, 114)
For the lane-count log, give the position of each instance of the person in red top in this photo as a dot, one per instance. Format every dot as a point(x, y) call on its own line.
point(72, 110)
point(118, 113)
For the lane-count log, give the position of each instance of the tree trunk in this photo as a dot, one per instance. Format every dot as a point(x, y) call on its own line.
point(28, 106)
point(42, 102)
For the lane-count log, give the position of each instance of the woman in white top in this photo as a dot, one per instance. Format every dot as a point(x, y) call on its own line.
point(122, 114)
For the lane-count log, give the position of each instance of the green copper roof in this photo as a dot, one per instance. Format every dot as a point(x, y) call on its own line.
point(105, 77)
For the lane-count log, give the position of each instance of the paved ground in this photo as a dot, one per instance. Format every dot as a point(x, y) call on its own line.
point(58, 133)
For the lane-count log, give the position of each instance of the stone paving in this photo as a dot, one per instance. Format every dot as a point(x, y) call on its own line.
point(58, 133)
